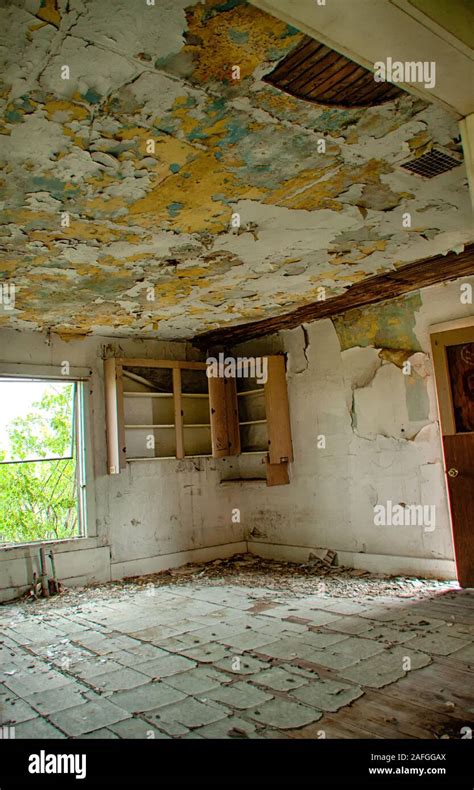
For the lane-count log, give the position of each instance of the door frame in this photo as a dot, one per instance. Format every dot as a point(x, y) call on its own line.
point(450, 333)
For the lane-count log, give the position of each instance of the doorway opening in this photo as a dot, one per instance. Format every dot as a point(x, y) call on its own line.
point(42, 461)
point(453, 356)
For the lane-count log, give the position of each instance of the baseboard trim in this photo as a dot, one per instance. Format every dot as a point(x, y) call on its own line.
point(161, 562)
point(423, 567)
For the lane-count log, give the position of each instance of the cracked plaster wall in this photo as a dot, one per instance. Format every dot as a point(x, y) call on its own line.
point(382, 435)
point(382, 442)
point(155, 514)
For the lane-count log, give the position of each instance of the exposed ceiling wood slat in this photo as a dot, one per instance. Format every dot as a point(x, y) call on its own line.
point(334, 76)
point(298, 55)
point(321, 75)
point(298, 58)
point(304, 68)
point(351, 85)
point(315, 72)
point(379, 288)
point(373, 89)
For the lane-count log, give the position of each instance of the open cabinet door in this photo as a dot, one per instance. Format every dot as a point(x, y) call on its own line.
point(224, 417)
point(453, 356)
point(280, 450)
point(114, 417)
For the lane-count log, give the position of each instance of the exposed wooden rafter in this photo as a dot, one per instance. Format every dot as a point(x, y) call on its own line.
point(321, 75)
point(379, 288)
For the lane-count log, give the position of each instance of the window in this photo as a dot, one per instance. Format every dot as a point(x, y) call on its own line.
point(42, 469)
point(172, 409)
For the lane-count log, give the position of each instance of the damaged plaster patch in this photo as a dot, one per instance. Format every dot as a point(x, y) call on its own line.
point(391, 405)
point(296, 343)
point(360, 365)
point(388, 325)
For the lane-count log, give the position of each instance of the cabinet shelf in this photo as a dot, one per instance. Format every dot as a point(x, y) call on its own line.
point(250, 392)
point(168, 457)
point(173, 405)
point(189, 425)
point(205, 455)
point(164, 395)
point(148, 394)
point(148, 425)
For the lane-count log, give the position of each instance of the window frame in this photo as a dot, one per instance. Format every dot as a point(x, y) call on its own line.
point(85, 494)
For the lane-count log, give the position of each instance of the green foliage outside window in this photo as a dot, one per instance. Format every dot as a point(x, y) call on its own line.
point(38, 499)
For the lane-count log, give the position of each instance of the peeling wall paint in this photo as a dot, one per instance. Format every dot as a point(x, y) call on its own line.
point(156, 514)
point(386, 326)
point(160, 514)
point(382, 438)
point(141, 220)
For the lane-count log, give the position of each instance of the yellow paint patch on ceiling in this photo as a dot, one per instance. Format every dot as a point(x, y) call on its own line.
point(73, 110)
point(235, 214)
point(49, 12)
point(199, 207)
point(244, 40)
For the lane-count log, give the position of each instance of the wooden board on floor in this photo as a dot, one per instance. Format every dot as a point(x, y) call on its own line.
point(433, 686)
point(378, 715)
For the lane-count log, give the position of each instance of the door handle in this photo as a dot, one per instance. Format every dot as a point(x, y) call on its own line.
point(453, 472)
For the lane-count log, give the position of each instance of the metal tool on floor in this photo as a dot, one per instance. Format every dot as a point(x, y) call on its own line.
point(35, 590)
point(54, 584)
point(44, 574)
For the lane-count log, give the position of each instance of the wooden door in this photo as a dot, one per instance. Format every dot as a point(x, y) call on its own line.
point(453, 354)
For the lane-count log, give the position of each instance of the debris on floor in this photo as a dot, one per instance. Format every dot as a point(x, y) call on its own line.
point(240, 648)
point(315, 576)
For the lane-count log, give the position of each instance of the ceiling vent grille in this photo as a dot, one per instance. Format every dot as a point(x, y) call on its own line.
point(431, 164)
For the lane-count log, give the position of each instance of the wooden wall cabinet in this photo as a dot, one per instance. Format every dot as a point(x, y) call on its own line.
point(171, 409)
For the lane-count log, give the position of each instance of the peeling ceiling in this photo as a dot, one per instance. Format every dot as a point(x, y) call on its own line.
point(150, 148)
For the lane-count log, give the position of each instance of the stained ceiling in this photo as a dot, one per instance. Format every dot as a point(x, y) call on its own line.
point(153, 247)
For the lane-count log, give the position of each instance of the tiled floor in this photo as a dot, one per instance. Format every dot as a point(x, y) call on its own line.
point(218, 660)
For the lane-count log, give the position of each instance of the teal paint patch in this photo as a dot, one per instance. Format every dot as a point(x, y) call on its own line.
point(174, 209)
point(216, 111)
point(290, 31)
point(92, 96)
point(189, 103)
point(58, 189)
point(169, 127)
point(175, 168)
point(13, 116)
point(336, 120)
point(19, 107)
point(416, 396)
point(227, 5)
point(238, 36)
point(222, 199)
point(26, 104)
point(236, 130)
point(273, 53)
point(388, 325)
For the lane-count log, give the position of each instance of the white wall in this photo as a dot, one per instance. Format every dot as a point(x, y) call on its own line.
point(382, 441)
point(154, 515)
point(162, 513)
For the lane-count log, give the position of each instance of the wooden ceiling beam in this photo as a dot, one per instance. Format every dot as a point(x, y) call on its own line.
point(379, 288)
